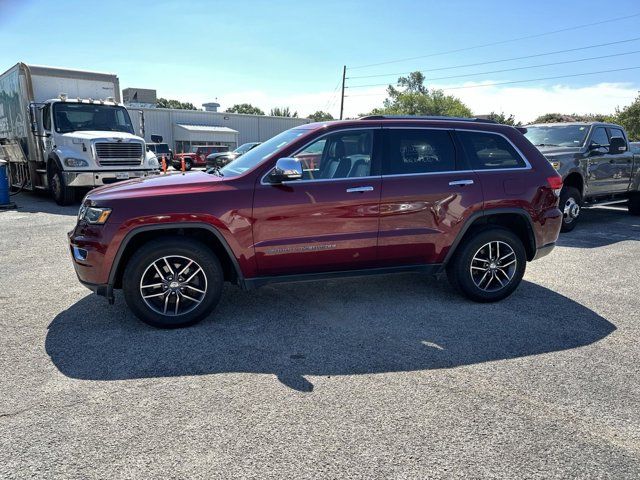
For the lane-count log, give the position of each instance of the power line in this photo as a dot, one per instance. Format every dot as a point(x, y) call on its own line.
point(501, 42)
point(501, 60)
point(516, 81)
point(509, 69)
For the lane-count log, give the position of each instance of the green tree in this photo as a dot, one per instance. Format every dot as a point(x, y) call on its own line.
point(282, 112)
point(629, 118)
point(414, 98)
point(503, 118)
point(574, 117)
point(320, 116)
point(168, 103)
point(245, 108)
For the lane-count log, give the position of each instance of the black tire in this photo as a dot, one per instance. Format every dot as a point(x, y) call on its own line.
point(187, 164)
point(460, 268)
point(61, 193)
point(634, 204)
point(570, 203)
point(141, 263)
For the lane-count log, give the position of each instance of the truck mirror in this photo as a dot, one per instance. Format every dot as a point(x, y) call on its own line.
point(156, 138)
point(33, 120)
point(617, 145)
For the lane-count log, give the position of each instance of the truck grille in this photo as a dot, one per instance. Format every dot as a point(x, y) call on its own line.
point(119, 154)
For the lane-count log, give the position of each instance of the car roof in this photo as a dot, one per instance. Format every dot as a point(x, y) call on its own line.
point(581, 124)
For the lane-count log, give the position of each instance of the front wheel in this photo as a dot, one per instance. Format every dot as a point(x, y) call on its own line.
point(187, 165)
point(489, 265)
point(172, 282)
point(570, 201)
point(62, 194)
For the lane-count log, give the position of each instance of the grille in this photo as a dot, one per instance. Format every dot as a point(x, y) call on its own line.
point(117, 154)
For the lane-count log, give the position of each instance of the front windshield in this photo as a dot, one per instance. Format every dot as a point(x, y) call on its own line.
point(557, 135)
point(254, 156)
point(244, 148)
point(73, 117)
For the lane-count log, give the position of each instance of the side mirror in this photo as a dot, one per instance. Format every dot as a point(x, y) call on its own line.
point(286, 169)
point(617, 145)
point(156, 138)
point(33, 120)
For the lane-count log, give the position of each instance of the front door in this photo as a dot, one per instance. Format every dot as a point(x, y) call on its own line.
point(623, 163)
point(601, 169)
point(426, 196)
point(328, 220)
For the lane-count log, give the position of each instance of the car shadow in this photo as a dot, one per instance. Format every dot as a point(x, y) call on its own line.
point(344, 327)
point(41, 202)
point(602, 226)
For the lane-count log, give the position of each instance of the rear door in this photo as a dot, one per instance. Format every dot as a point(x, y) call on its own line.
point(328, 220)
point(426, 196)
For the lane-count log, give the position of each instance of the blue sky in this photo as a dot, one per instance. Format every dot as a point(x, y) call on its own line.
point(290, 53)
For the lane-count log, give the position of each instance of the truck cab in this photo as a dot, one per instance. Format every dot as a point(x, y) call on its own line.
point(595, 161)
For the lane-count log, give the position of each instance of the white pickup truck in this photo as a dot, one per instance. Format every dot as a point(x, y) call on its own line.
point(65, 130)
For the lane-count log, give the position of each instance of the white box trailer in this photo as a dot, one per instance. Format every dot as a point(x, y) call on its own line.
point(64, 129)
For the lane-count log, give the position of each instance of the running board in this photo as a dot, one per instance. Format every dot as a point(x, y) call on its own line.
point(605, 203)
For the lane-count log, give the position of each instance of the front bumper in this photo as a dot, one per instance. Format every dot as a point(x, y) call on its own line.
point(544, 250)
point(97, 179)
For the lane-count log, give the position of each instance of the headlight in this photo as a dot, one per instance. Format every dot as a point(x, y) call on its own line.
point(153, 162)
point(93, 215)
point(75, 162)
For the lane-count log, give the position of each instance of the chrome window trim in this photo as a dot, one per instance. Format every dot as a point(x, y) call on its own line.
point(326, 134)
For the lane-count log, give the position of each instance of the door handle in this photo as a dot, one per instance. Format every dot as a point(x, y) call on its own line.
point(359, 189)
point(461, 182)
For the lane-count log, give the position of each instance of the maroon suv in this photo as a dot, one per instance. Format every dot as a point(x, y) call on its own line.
point(470, 198)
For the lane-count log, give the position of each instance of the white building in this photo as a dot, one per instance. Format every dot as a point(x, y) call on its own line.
point(183, 129)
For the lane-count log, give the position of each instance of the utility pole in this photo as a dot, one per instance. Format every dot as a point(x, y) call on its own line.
point(344, 76)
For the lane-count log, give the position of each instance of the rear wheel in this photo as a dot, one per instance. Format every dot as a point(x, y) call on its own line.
point(570, 201)
point(187, 164)
point(634, 204)
point(62, 194)
point(172, 282)
point(489, 265)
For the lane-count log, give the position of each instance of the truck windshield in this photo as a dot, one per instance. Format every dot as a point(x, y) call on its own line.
point(557, 135)
point(254, 156)
point(72, 117)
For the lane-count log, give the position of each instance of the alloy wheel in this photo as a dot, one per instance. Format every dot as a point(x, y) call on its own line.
point(571, 210)
point(173, 285)
point(493, 266)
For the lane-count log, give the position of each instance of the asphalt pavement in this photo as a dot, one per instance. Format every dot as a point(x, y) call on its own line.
point(379, 377)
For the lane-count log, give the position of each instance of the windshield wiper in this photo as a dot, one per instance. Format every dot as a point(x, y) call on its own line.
point(546, 145)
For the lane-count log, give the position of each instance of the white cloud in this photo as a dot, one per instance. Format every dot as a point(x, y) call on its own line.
point(525, 102)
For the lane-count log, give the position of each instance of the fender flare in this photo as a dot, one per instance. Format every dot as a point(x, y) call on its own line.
point(168, 226)
point(53, 158)
point(488, 213)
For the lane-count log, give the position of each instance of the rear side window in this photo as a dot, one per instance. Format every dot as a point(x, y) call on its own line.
point(488, 151)
point(418, 151)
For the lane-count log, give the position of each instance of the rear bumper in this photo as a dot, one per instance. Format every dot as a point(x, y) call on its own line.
point(97, 179)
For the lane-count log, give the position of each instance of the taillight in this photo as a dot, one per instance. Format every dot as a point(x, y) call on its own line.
point(555, 183)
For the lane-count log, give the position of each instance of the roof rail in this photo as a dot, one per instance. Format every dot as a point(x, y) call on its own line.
point(426, 117)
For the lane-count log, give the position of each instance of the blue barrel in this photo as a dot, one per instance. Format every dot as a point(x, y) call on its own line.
point(4, 183)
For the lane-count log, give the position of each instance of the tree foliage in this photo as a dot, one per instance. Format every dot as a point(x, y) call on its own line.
point(503, 118)
point(245, 108)
point(168, 103)
point(629, 118)
point(320, 116)
point(282, 112)
point(574, 117)
point(414, 98)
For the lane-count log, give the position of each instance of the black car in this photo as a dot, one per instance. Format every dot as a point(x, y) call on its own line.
point(222, 158)
point(161, 149)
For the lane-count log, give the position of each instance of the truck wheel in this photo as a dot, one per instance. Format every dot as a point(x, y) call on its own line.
point(634, 204)
point(570, 201)
point(172, 282)
point(489, 265)
point(62, 194)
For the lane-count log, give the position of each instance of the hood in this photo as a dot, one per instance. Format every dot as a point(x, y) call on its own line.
point(101, 135)
point(158, 185)
point(557, 151)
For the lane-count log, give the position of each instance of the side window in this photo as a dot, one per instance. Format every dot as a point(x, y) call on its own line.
point(489, 151)
point(340, 155)
point(46, 117)
point(418, 151)
point(600, 137)
point(616, 132)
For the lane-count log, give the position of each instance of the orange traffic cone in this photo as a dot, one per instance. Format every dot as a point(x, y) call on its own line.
point(164, 165)
point(183, 168)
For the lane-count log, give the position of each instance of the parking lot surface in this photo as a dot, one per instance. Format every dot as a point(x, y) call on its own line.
point(391, 376)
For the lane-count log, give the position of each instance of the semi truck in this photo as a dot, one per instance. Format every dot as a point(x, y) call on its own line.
point(65, 130)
